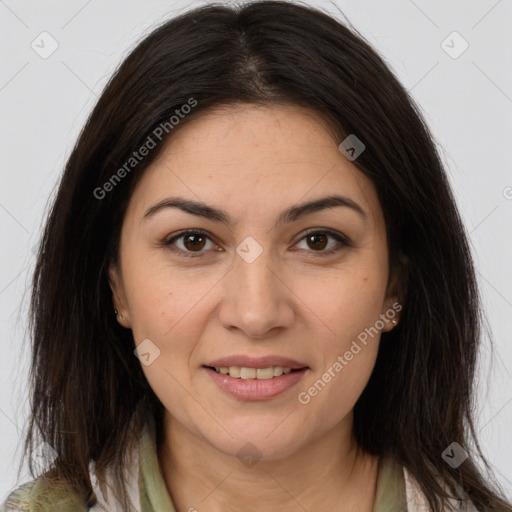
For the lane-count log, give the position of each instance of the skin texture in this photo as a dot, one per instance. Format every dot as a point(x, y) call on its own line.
point(254, 162)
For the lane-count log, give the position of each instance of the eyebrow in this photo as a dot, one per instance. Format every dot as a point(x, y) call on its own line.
point(289, 215)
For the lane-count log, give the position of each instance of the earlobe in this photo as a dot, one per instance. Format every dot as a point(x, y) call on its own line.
point(396, 291)
point(399, 278)
point(120, 309)
point(391, 315)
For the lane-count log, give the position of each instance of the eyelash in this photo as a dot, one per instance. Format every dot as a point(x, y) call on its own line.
point(190, 254)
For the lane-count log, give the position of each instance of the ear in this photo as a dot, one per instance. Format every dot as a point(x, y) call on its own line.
point(395, 293)
point(119, 301)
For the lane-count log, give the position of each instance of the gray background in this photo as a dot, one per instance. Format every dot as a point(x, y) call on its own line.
point(467, 102)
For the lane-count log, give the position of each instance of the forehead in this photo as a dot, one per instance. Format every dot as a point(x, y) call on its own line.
point(255, 155)
point(250, 134)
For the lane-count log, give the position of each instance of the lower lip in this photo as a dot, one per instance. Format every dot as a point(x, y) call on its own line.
point(255, 389)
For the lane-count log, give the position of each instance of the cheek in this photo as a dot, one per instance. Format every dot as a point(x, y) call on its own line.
point(346, 309)
point(162, 297)
point(344, 304)
point(167, 312)
point(167, 306)
point(332, 394)
point(347, 351)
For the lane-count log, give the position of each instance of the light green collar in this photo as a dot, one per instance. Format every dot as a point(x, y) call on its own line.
point(152, 490)
point(391, 496)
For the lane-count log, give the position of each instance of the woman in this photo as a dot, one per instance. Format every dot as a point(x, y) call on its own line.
point(254, 290)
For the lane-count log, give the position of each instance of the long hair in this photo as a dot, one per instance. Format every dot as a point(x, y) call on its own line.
point(89, 396)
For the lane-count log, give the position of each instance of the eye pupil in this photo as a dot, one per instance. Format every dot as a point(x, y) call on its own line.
point(315, 237)
point(194, 244)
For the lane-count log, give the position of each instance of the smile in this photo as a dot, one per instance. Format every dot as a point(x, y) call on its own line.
point(244, 383)
point(252, 373)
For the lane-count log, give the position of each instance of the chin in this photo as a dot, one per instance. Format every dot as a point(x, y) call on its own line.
point(257, 442)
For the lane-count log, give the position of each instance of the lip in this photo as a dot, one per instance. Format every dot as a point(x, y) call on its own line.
point(257, 362)
point(255, 389)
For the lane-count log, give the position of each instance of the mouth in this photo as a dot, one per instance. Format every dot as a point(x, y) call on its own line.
point(253, 384)
point(247, 373)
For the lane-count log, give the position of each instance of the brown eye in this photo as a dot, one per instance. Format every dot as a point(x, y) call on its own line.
point(191, 243)
point(317, 241)
point(194, 241)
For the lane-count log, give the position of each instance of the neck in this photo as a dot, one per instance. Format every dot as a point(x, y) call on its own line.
point(329, 473)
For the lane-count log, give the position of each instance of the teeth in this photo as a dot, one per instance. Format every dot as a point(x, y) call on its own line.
point(248, 373)
point(278, 370)
point(234, 371)
point(252, 373)
point(265, 373)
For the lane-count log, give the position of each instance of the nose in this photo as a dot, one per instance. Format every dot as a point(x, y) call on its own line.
point(256, 299)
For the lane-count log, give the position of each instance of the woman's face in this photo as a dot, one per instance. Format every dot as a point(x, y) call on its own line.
point(254, 284)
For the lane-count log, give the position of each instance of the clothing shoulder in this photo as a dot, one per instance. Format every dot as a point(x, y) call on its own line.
point(41, 495)
point(18, 499)
point(417, 502)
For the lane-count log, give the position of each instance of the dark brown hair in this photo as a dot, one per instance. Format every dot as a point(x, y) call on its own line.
point(87, 385)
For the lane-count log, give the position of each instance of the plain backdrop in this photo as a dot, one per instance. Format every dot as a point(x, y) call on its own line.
point(466, 99)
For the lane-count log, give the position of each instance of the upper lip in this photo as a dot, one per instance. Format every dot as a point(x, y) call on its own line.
point(246, 361)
